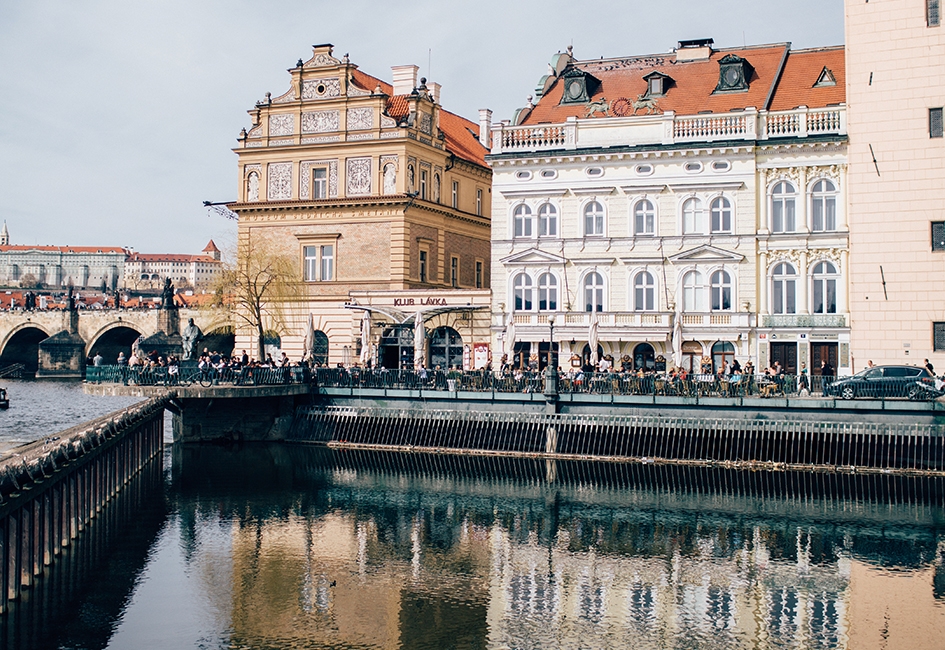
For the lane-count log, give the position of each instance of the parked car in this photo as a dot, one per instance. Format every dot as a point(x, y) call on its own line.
point(880, 382)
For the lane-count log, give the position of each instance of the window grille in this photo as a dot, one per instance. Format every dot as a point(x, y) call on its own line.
point(938, 337)
point(935, 123)
point(938, 235)
point(932, 12)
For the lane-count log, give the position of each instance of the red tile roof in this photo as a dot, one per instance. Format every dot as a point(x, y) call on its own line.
point(801, 72)
point(694, 82)
point(460, 133)
point(211, 247)
point(168, 257)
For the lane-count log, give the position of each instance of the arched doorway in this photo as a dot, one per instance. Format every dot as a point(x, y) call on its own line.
point(644, 357)
point(221, 340)
point(112, 342)
point(691, 356)
point(23, 347)
point(723, 352)
point(586, 356)
point(320, 348)
point(446, 348)
point(396, 347)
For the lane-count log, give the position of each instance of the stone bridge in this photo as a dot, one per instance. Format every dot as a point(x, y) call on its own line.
point(81, 334)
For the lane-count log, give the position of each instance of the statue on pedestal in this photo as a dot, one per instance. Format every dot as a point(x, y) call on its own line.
point(167, 295)
point(189, 338)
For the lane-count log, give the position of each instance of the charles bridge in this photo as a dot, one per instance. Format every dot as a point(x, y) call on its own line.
point(56, 343)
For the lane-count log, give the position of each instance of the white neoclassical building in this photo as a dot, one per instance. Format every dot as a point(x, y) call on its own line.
point(683, 205)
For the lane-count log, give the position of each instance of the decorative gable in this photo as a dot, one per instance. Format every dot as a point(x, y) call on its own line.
point(734, 74)
point(533, 257)
point(825, 78)
point(706, 253)
point(579, 86)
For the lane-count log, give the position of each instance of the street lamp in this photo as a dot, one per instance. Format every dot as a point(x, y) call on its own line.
point(551, 342)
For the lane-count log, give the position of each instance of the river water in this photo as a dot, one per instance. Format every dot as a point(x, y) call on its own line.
point(273, 546)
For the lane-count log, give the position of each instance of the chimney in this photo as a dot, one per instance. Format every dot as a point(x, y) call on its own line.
point(405, 78)
point(434, 89)
point(696, 50)
point(485, 127)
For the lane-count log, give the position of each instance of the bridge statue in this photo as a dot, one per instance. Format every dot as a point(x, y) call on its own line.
point(167, 295)
point(189, 338)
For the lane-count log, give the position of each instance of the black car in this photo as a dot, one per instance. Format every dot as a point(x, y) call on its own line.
point(880, 382)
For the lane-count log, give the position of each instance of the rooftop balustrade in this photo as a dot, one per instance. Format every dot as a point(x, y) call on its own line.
point(670, 129)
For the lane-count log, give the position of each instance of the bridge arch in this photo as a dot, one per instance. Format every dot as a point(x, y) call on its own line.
point(22, 346)
point(113, 339)
point(221, 338)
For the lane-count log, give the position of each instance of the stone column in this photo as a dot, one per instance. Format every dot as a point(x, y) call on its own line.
point(803, 304)
point(763, 307)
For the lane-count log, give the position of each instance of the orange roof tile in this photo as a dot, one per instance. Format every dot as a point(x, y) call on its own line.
point(803, 69)
point(211, 247)
point(694, 82)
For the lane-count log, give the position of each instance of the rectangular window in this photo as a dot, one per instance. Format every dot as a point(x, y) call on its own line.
point(454, 272)
point(938, 337)
point(320, 183)
point(423, 185)
point(938, 235)
point(319, 263)
point(455, 199)
point(423, 266)
point(478, 274)
point(479, 196)
point(933, 12)
point(935, 122)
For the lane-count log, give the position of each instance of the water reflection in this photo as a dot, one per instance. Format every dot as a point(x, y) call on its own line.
point(288, 546)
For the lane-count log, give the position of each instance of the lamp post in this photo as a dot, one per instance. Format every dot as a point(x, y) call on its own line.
point(551, 378)
point(551, 342)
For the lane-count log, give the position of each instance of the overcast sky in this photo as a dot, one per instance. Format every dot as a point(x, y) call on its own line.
point(118, 117)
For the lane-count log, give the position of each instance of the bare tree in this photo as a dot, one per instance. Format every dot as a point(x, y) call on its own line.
point(257, 288)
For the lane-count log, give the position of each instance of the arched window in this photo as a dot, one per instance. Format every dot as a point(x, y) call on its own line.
point(823, 206)
point(783, 196)
point(522, 217)
point(721, 214)
point(783, 289)
point(723, 353)
point(693, 217)
point(593, 292)
point(320, 348)
point(721, 291)
point(644, 218)
point(644, 292)
point(593, 219)
point(694, 292)
point(523, 292)
point(547, 292)
point(824, 293)
point(446, 348)
point(547, 220)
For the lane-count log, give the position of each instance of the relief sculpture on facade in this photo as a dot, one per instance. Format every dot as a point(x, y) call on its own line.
point(280, 181)
point(360, 118)
point(282, 124)
point(357, 176)
point(320, 121)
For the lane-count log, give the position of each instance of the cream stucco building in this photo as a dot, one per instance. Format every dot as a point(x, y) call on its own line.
point(699, 191)
point(896, 91)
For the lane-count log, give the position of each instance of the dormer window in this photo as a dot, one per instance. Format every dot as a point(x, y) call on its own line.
point(657, 84)
point(734, 74)
point(578, 86)
point(825, 78)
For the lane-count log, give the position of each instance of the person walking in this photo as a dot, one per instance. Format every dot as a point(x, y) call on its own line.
point(826, 376)
point(930, 367)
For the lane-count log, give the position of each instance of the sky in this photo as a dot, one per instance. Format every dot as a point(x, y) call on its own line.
point(118, 118)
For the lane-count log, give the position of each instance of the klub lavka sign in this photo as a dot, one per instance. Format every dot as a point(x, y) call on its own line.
point(419, 302)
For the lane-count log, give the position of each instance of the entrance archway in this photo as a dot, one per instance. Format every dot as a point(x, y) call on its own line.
point(396, 347)
point(446, 348)
point(586, 357)
point(644, 357)
point(23, 347)
point(112, 342)
point(221, 340)
point(320, 348)
point(723, 352)
point(692, 356)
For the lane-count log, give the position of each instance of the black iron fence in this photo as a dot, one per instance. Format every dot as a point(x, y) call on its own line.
point(606, 383)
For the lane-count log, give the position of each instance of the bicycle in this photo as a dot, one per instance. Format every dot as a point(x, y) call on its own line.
point(188, 377)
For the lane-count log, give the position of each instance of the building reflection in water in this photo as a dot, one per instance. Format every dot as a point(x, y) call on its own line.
point(383, 550)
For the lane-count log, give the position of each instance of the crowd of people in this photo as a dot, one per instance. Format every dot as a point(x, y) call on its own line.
point(151, 367)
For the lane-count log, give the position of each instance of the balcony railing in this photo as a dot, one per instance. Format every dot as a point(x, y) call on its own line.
point(640, 319)
point(804, 320)
point(668, 129)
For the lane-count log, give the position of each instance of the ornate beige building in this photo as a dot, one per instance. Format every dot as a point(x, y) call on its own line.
point(383, 197)
point(680, 205)
point(896, 89)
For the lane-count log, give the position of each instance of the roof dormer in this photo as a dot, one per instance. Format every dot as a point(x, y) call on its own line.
point(825, 78)
point(579, 86)
point(734, 74)
point(657, 84)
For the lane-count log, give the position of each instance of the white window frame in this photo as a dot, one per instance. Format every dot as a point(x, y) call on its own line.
point(320, 185)
point(595, 295)
point(318, 262)
point(547, 220)
point(595, 218)
point(824, 283)
point(788, 289)
point(694, 292)
point(547, 292)
point(721, 287)
point(722, 207)
point(694, 219)
point(455, 195)
point(647, 216)
point(523, 226)
point(787, 219)
point(523, 292)
point(823, 198)
point(643, 288)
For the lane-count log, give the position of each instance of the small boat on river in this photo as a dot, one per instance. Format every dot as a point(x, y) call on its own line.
point(4, 400)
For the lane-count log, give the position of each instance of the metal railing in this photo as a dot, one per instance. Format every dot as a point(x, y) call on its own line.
point(187, 375)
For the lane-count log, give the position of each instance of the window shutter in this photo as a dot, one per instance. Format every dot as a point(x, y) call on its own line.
point(935, 122)
point(938, 337)
point(938, 235)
